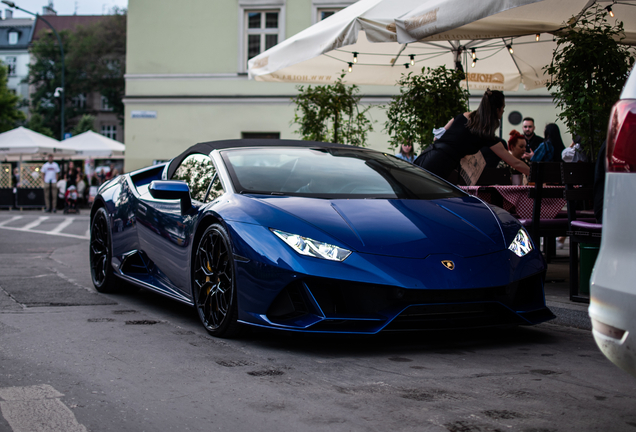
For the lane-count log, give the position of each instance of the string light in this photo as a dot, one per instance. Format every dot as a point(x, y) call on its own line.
point(611, 12)
point(473, 53)
point(412, 59)
point(350, 67)
point(474, 62)
point(537, 37)
point(355, 58)
point(406, 65)
point(510, 49)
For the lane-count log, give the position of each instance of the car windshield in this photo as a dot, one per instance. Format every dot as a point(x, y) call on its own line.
point(331, 173)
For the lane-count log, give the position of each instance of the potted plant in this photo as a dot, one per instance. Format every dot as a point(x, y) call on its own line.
point(426, 101)
point(588, 70)
point(331, 113)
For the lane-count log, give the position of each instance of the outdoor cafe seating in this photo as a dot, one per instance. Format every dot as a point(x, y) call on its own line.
point(583, 230)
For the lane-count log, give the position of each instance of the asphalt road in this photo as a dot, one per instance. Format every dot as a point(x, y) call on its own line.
point(75, 360)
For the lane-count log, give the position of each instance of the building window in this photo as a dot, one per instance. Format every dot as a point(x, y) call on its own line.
point(79, 101)
point(323, 9)
point(109, 131)
point(13, 37)
point(104, 104)
point(11, 63)
point(324, 13)
point(262, 31)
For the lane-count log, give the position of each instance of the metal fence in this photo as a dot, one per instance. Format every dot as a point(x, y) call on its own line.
point(5, 176)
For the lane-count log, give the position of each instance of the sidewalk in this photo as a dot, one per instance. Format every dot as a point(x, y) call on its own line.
point(557, 293)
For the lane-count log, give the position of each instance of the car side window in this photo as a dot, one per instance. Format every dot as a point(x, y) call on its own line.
point(197, 170)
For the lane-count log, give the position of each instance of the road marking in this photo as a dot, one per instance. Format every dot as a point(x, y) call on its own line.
point(63, 225)
point(46, 232)
point(37, 408)
point(14, 218)
point(35, 223)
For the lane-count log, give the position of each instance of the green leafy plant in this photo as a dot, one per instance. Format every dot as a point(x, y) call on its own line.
point(426, 101)
point(588, 70)
point(10, 115)
point(85, 124)
point(331, 113)
point(95, 61)
point(36, 124)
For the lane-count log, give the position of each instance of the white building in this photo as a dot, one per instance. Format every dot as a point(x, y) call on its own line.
point(186, 76)
point(15, 36)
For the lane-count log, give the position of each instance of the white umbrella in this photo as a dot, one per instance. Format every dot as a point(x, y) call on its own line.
point(25, 142)
point(91, 144)
point(380, 39)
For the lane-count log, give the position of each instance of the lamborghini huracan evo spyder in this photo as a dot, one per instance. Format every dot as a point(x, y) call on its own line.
point(314, 237)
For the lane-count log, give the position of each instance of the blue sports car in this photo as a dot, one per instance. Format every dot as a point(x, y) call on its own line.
point(314, 237)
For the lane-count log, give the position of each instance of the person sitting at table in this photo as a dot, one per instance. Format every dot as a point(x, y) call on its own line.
point(517, 149)
point(551, 147)
point(466, 134)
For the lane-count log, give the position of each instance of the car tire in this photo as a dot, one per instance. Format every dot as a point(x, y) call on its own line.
point(214, 284)
point(100, 255)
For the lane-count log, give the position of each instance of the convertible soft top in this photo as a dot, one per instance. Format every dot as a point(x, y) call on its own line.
point(208, 147)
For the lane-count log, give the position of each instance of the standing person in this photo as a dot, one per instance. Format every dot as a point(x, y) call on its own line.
point(406, 152)
point(532, 140)
point(16, 177)
point(71, 174)
point(50, 169)
point(466, 134)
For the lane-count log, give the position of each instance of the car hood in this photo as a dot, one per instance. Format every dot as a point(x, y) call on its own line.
point(401, 228)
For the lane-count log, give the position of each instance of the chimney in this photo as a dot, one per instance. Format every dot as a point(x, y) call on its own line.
point(48, 9)
point(8, 14)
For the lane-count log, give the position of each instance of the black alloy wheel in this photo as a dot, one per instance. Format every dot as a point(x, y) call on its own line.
point(213, 284)
point(100, 254)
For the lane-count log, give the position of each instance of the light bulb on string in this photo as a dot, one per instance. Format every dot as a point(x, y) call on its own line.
point(412, 59)
point(406, 65)
point(510, 49)
point(473, 53)
point(611, 12)
point(537, 37)
point(474, 62)
point(355, 58)
point(350, 67)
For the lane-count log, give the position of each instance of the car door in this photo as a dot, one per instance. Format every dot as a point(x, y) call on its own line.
point(168, 228)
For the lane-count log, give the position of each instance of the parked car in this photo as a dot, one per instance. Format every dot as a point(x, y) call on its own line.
point(612, 285)
point(314, 237)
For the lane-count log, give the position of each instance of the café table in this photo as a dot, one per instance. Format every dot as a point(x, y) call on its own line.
point(517, 198)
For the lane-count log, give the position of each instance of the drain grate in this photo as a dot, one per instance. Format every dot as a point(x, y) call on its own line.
point(142, 322)
point(269, 372)
point(100, 320)
point(235, 363)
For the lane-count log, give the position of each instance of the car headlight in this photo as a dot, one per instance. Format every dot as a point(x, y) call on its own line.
point(313, 248)
point(521, 245)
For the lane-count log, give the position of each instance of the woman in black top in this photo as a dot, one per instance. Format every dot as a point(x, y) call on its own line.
point(466, 134)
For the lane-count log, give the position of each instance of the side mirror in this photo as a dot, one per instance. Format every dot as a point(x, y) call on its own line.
point(172, 190)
